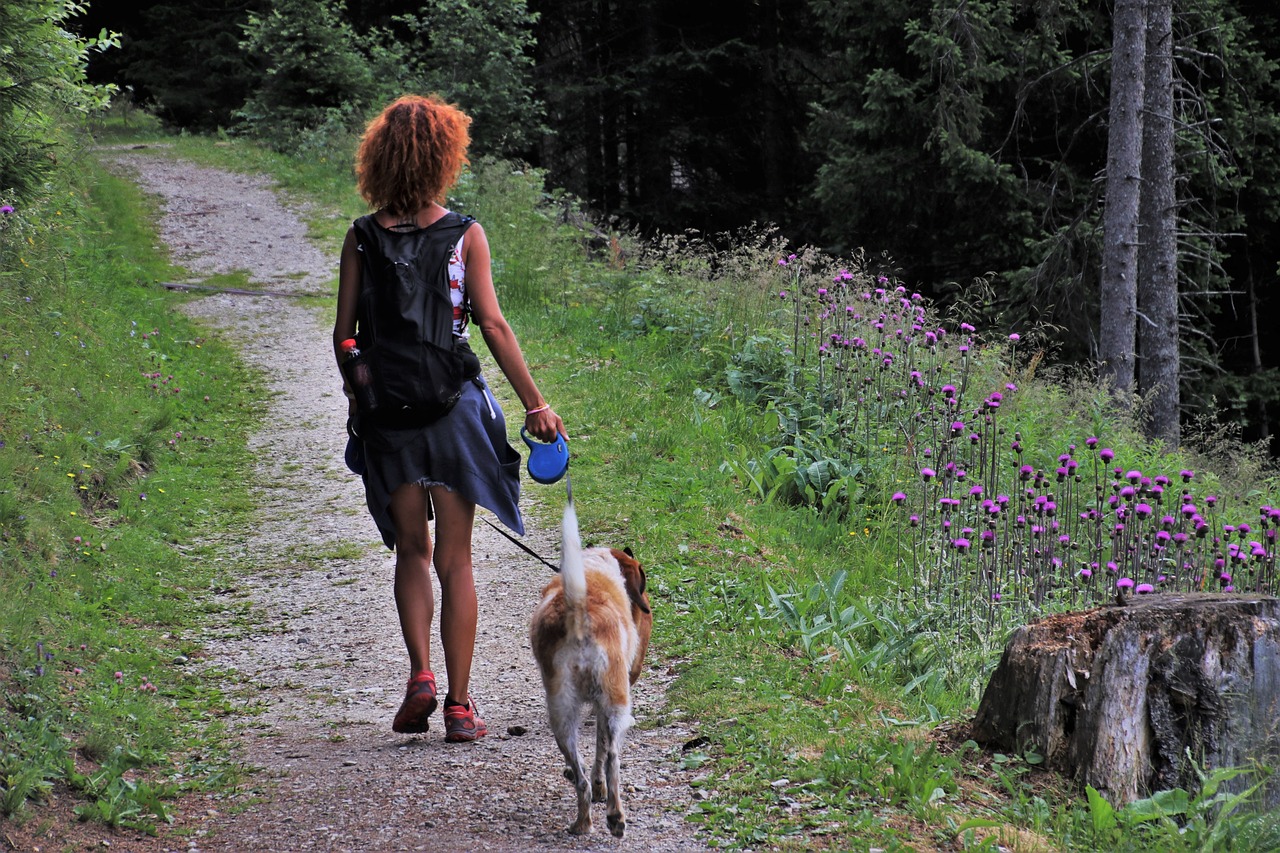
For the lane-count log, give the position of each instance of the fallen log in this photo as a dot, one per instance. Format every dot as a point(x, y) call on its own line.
point(1125, 697)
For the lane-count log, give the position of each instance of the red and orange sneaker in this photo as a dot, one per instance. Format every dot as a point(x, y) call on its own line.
point(419, 703)
point(462, 723)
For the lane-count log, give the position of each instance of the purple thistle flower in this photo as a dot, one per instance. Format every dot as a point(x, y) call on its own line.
point(1106, 454)
point(1124, 583)
point(1015, 337)
point(1144, 588)
point(928, 473)
point(1091, 442)
point(899, 497)
point(6, 209)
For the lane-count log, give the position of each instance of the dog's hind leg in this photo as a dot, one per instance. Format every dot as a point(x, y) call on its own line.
point(565, 727)
point(613, 726)
point(599, 786)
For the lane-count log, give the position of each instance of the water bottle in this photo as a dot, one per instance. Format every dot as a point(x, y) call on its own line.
point(359, 374)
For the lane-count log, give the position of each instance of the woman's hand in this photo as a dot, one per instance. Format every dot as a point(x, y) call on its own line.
point(544, 424)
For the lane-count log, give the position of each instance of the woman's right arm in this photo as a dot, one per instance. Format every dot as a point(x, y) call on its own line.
point(344, 325)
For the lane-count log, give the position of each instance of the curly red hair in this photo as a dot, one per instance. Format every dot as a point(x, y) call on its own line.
point(412, 153)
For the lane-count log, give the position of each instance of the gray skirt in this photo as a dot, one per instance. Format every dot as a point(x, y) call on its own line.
point(466, 451)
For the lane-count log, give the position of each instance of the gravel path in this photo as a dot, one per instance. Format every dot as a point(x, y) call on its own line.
point(321, 667)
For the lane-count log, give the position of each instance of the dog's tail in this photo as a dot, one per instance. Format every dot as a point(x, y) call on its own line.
point(572, 573)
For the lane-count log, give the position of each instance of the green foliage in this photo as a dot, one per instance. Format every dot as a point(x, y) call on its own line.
point(316, 87)
point(475, 54)
point(42, 84)
point(184, 63)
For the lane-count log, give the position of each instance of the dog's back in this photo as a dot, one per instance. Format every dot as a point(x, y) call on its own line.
point(589, 633)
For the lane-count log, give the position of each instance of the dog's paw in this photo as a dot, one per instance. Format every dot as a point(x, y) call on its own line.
point(571, 776)
point(617, 824)
point(599, 791)
point(581, 827)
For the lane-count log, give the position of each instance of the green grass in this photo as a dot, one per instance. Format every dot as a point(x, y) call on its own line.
point(123, 441)
point(841, 701)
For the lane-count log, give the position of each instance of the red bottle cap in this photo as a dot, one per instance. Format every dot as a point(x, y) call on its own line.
point(348, 345)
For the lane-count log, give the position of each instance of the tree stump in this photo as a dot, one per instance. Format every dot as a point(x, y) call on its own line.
point(1115, 697)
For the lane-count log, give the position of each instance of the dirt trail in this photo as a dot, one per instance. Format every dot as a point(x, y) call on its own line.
point(322, 666)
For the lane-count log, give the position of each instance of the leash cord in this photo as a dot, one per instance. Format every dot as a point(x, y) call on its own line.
point(523, 547)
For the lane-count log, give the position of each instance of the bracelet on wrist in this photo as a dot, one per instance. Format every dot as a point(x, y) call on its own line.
point(537, 409)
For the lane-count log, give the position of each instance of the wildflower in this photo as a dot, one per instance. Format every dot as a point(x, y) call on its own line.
point(914, 521)
point(1187, 475)
point(1143, 510)
point(1124, 584)
point(119, 675)
point(1015, 337)
point(1106, 454)
point(961, 544)
point(899, 497)
point(1086, 573)
point(1091, 442)
point(928, 473)
point(1144, 588)
point(6, 209)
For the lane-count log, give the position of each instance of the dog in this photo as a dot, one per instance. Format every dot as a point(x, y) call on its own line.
point(589, 635)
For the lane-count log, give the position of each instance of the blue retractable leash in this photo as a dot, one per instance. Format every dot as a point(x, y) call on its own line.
point(547, 464)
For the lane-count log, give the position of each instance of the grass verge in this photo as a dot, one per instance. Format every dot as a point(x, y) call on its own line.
point(122, 447)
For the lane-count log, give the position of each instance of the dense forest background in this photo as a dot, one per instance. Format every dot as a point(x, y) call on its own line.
point(959, 144)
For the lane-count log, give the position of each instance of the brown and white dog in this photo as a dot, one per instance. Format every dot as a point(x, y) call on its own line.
point(589, 634)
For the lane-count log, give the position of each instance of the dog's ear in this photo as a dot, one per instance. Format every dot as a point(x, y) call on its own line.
point(635, 583)
point(633, 578)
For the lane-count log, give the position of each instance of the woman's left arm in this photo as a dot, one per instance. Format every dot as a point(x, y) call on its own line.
point(540, 418)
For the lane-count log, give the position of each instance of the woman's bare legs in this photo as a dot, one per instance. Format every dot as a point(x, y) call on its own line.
point(415, 601)
point(455, 516)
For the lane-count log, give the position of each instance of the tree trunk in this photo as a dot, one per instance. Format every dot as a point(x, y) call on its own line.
point(1117, 330)
point(1158, 359)
point(1123, 698)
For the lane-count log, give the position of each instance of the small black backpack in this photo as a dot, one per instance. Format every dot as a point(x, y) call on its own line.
point(405, 320)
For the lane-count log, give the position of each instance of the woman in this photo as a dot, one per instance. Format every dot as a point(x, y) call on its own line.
point(408, 158)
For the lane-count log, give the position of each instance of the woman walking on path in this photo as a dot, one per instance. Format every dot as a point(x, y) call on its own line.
point(408, 158)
